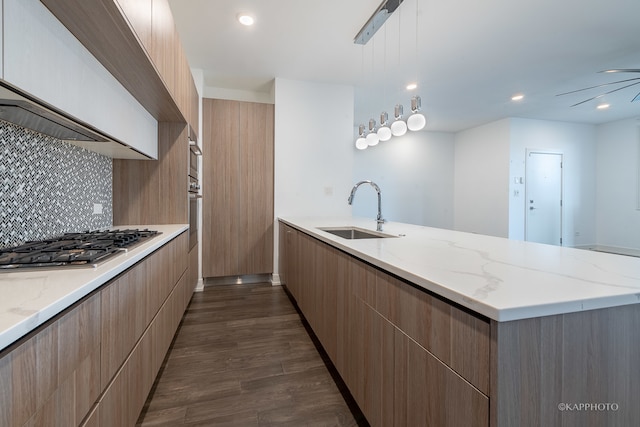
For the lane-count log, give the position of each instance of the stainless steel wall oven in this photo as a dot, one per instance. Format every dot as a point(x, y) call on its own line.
point(194, 189)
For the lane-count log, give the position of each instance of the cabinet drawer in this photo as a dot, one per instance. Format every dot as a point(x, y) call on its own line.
point(458, 338)
point(429, 393)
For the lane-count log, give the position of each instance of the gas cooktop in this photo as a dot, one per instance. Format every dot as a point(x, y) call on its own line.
point(86, 249)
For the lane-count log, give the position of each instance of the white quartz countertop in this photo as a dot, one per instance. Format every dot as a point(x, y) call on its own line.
point(499, 278)
point(31, 297)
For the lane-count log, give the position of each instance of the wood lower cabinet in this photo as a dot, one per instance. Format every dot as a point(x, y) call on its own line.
point(412, 358)
point(95, 363)
point(124, 398)
point(430, 393)
point(53, 374)
point(193, 267)
point(408, 358)
point(237, 209)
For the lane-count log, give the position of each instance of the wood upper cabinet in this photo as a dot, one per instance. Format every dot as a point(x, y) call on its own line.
point(168, 55)
point(138, 13)
point(137, 42)
point(164, 44)
point(237, 181)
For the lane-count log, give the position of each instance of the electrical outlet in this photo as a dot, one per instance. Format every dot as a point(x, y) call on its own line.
point(97, 208)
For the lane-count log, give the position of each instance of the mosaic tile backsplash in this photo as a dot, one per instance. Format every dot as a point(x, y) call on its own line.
point(49, 187)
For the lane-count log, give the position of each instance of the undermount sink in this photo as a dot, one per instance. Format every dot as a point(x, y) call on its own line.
point(352, 233)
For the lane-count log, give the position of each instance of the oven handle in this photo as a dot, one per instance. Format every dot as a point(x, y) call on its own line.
point(193, 145)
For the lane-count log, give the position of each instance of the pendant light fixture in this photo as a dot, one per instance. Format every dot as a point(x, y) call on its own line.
point(416, 121)
point(384, 132)
point(398, 127)
point(372, 136)
point(361, 142)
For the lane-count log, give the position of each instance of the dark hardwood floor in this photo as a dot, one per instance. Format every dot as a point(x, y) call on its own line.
point(242, 357)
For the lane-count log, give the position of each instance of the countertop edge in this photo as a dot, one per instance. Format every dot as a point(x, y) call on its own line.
point(498, 314)
point(125, 261)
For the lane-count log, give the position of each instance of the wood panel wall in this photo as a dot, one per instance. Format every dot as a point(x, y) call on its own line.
point(154, 191)
point(237, 178)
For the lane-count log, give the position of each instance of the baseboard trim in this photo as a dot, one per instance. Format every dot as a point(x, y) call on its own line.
point(275, 280)
point(238, 280)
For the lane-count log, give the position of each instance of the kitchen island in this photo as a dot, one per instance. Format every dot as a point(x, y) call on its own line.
point(429, 321)
point(82, 346)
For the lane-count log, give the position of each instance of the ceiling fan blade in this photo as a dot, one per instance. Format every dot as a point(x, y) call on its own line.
point(606, 93)
point(621, 70)
point(601, 85)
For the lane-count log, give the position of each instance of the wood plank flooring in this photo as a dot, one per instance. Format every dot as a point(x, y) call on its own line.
point(242, 357)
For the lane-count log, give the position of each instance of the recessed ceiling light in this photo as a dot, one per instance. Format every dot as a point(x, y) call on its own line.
point(603, 106)
point(518, 97)
point(246, 19)
point(412, 86)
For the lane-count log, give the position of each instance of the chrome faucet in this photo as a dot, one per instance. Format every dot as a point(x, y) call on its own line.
point(379, 219)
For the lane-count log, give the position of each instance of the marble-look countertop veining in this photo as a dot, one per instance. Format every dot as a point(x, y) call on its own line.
point(28, 298)
point(499, 278)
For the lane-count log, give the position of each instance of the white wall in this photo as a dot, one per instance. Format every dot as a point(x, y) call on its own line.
point(618, 163)
point(577, 144)
point(481, 179)
point(415, 175)
point(313, 150)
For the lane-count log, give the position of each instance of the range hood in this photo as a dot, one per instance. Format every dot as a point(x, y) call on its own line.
point(24, 110)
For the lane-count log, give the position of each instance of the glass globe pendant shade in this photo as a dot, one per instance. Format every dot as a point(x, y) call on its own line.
point(361, 143)
point(384, 132)
point(372, 136)
point(372, 139)
point(398, 128)
point(416, 122)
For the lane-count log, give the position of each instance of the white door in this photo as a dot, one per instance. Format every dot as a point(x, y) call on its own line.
point(543, 207)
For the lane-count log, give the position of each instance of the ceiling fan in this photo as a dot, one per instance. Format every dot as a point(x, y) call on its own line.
point(635, 80)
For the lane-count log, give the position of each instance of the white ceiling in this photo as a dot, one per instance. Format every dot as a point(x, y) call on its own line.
point(469, 58)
